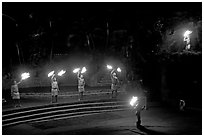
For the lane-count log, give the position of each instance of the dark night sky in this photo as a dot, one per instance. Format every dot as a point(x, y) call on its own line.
point(69, 12)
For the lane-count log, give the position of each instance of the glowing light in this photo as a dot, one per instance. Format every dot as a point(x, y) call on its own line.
point(83, 70)
point(187, 33)
point(109, 67)
point(61, 72)
point(25, 76)
point(118, 69)
point(76, 70)
point(187, 39)
point(133, 101)
point(51, 73)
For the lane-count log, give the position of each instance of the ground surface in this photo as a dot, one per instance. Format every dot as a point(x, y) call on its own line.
point(156, 120)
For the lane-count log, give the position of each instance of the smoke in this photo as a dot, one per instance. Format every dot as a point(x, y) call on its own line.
point(135, 88)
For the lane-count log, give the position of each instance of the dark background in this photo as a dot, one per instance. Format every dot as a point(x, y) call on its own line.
point(139, 34)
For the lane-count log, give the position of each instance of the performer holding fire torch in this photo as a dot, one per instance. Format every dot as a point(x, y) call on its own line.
point(54, 84)
point(81, 84)
point(138, 109)
point(55, 88)
point(138, 105)
point(187, 39)
point(15, 93)
point(115, 82)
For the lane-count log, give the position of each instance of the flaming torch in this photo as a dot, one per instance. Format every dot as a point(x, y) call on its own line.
point(61, 72)
point(187, 33)
point(76, 70)
point(109, 67)
point(25, 76)
point(83, 70)
point(187, 39)
point(119, 70)
point(51, 73)
point(134, 101)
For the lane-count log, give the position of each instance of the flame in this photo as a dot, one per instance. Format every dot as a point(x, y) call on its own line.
point(61, 72)
point(133, 101)
point(118, 69)
point(76, 70)
point(187, 33)
point(83, 70)
point(51, 73)
point(25, 76)
point(109, 67)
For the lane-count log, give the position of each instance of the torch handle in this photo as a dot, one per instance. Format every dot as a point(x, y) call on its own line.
point(20, 81)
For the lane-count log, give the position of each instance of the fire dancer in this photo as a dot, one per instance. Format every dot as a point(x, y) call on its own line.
point(81, 84)
point(137, 104)
point(14, 89)
point(187, 39)
point(55, 88)
point(15, 93)
point(115, 82)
